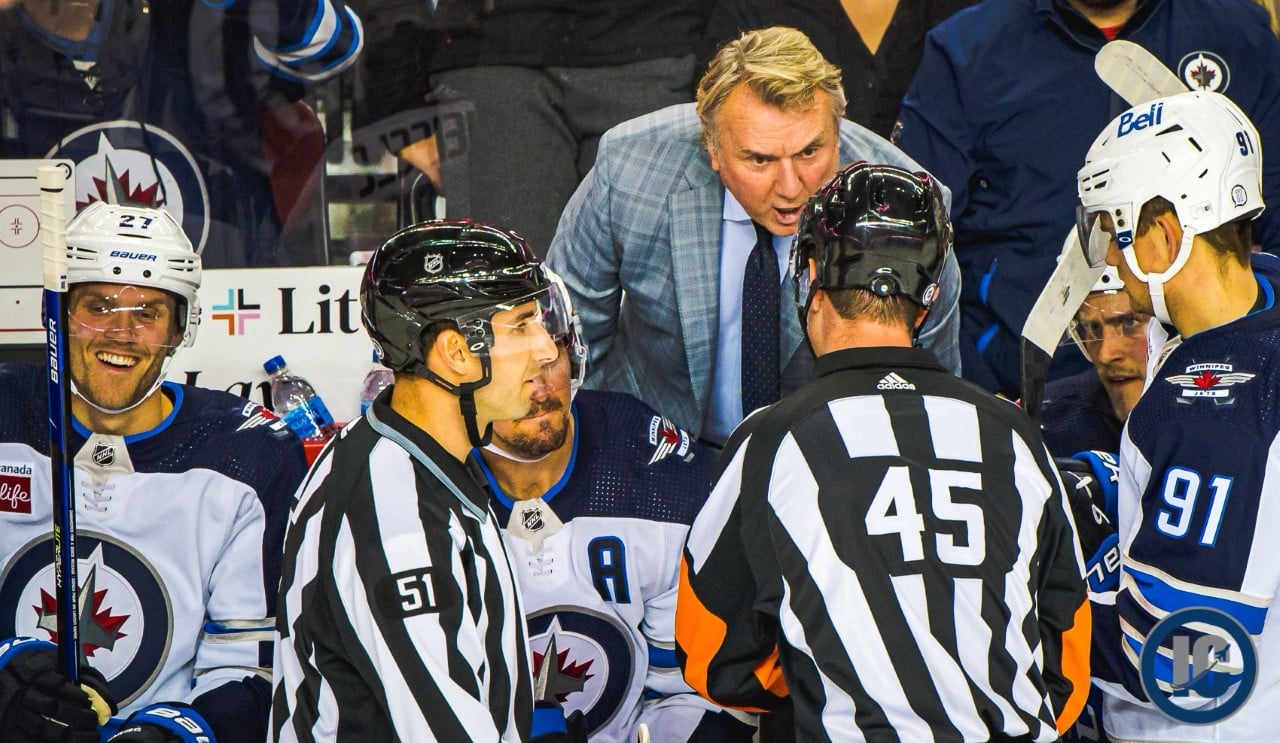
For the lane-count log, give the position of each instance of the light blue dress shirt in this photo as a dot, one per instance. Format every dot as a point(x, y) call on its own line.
point(737, 239)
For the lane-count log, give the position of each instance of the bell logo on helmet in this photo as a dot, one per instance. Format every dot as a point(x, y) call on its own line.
point(132, 256)
point(433, 263)
point(1131, 122)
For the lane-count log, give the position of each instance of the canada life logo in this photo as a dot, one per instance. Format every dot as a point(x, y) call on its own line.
point(15, 488)
point(235, 312)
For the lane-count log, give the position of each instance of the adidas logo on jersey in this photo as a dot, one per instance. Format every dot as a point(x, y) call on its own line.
point(892, 381)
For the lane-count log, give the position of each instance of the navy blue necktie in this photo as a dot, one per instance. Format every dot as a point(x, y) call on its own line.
point(760, 310)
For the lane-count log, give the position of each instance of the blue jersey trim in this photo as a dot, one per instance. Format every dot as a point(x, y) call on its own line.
point(217, 628)
point(1171, 599)
point(507, 500)
point(1270, 293)
point(662, 657)
point(177, 395)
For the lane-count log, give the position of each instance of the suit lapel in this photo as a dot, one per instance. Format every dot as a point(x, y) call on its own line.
point(695, 263)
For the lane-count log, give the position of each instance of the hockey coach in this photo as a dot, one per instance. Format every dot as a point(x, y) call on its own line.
point(889, 546)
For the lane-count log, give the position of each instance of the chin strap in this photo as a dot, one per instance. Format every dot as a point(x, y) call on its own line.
point(467, 403)
point(1155, 282)
point(164, 366)
point(490, 446)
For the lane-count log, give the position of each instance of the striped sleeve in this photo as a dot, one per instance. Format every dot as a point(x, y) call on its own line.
point(726, 647)
point(305, 41)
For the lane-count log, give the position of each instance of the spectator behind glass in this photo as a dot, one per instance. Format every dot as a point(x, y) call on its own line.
point(876, 43)
point(1002, 109)
point(542, 81)
point(1273, 10)
point(673, 211)
point(186, 105)
point(1086, 411)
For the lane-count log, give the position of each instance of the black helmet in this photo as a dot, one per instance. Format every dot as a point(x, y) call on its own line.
point(874, 227)
point(442, 270)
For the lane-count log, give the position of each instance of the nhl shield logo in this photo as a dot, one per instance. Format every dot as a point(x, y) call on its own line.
point(104, 455)
point(532, 520)
point(433, 263)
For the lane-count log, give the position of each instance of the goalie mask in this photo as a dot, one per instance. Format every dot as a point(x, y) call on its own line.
point(461, 273)
point(125, 252)
point(873, 227)
point(1197, 150)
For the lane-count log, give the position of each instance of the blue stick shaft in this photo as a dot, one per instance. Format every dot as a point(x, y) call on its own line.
point(61, 457)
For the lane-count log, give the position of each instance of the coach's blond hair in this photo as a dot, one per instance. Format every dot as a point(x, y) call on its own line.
point(779, 64)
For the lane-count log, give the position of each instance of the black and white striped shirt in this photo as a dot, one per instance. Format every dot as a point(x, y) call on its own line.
point(890, 546)
point(398, 617)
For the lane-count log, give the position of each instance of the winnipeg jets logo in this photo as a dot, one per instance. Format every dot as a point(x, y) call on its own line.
point(433, 263)
point(104, 455)
point(666, 439)
point(119, 162)
point(594, 661)
point(125, 615)
point(1209, 380)
point(260, 417)
point(1203, 70)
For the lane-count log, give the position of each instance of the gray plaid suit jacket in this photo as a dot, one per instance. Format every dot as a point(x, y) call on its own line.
point(638, 246)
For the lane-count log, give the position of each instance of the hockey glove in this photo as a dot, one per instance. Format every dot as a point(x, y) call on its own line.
point(165, 723)
point(1099, 542)
point(551, 726)
point(39, 704)
point(1106, 467)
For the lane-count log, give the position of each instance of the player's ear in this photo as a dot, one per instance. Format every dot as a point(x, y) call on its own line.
point(449, 351)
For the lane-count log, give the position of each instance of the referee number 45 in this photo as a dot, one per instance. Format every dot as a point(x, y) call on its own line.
point(893, 511)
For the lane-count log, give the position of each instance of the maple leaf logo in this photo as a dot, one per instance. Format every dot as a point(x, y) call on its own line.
point(99, 628)
point(567, 678)
point(1206, 379)
point(1203, 75)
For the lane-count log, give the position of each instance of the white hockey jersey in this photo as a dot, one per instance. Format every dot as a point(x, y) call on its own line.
point(597, 559)
point(179, 534)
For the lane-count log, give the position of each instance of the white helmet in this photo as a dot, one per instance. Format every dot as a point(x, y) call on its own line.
point(1198, 150)
point(142, 247)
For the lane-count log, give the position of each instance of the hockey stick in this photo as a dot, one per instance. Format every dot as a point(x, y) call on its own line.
point(1057, 304)
point(1137, 76)
point(52, 180)
point(1134, 73)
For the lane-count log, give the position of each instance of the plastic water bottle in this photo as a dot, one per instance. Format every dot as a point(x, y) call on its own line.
point(296, 401)
point(378, 379)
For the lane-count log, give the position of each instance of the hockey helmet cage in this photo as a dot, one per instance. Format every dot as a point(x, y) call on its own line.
point(132, 245)
point(874, 227)
point(440, 271)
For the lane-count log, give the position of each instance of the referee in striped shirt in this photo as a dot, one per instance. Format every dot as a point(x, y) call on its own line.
point(889, 546)
point(398, 616)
